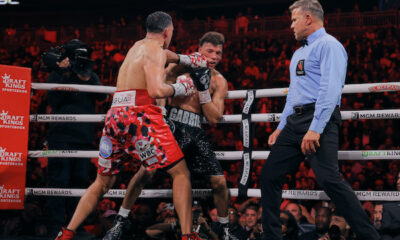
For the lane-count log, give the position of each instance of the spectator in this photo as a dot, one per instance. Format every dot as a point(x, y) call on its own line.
point(28, 223)
point(213, 215)
point(322, 221)
point(221, 25)
point(251, 229)
point(10, 33)
point(290, 229)
point(390, 227)
point(338, 228)
point(242, 24)
point(302, 216)
point(377, 215)
point(235, 229)
point(141, 220)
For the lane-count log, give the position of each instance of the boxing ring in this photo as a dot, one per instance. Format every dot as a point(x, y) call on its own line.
point(225, 155)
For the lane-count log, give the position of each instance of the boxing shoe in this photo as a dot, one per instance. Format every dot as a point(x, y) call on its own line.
point(120, 227)
point(191, 236)
point(65, 234)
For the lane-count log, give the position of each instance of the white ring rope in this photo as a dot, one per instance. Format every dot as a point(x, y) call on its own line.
point(227, 155)
point(235, 118)
point(230, 155)
point(236, 94)
point(73, 87)
point(167, 193)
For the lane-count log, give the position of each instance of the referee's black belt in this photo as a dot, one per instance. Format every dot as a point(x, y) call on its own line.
point(300, 109)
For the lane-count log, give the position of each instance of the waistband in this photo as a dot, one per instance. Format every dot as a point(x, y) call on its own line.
point(132, 97)
point(300, 109)
point(183, 116)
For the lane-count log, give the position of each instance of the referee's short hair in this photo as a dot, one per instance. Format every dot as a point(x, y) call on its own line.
point(157, 22)
point(312, 6)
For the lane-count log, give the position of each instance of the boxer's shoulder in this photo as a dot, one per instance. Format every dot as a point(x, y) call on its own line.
point(152, 53)
point(218, 83)
point(217, 77)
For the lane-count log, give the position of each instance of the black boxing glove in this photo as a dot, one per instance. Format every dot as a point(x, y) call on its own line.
point(201, 78)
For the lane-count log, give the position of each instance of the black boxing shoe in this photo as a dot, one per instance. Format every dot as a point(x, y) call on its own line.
point(120, 227)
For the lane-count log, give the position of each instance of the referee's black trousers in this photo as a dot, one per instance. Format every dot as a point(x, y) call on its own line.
point(286, 156)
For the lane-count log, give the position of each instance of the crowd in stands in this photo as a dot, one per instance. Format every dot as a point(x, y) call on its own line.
point(248, 63)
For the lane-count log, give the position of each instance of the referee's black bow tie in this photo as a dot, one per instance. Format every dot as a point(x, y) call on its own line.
point(304, 42)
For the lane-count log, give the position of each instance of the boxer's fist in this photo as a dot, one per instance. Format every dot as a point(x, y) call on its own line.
point(201, 78)
point(183, 87)
point(194, 60)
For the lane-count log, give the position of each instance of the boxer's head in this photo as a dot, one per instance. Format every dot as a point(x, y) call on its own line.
point(210, 46)
point(160, 23)
point(307, 16)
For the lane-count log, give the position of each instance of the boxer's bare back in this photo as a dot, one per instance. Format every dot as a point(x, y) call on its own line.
point(143, 67)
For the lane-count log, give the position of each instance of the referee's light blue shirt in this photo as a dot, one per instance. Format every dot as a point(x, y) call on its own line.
point(317, 75)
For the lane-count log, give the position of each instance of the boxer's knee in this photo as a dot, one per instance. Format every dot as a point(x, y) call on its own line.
point(104, 183)
point(179, 170)
point(218, 184)
point(144, 176)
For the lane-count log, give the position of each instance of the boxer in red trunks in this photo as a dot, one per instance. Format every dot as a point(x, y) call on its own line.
point(135, 131)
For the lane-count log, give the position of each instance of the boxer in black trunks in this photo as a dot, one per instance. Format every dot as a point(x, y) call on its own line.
point(186, 112)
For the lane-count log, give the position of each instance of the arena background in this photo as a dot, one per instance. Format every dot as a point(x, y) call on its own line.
point(256, 58)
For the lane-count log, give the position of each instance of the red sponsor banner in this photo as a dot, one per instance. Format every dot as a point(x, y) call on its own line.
point(15, 87)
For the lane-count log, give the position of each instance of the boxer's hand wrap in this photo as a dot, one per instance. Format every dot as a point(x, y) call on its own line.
point(204, 97)
point(194, 60)
point(201, 78)
point(183, 87)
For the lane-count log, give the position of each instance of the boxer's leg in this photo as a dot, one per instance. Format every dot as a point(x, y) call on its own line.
point(90, 198)
point(182, 195)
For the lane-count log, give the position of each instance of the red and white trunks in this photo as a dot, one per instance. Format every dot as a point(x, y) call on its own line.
point(134, 132)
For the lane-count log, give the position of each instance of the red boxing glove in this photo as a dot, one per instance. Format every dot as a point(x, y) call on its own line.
point(184, 86)
point(194, 60)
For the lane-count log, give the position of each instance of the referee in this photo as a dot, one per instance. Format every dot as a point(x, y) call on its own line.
point(310, 122)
